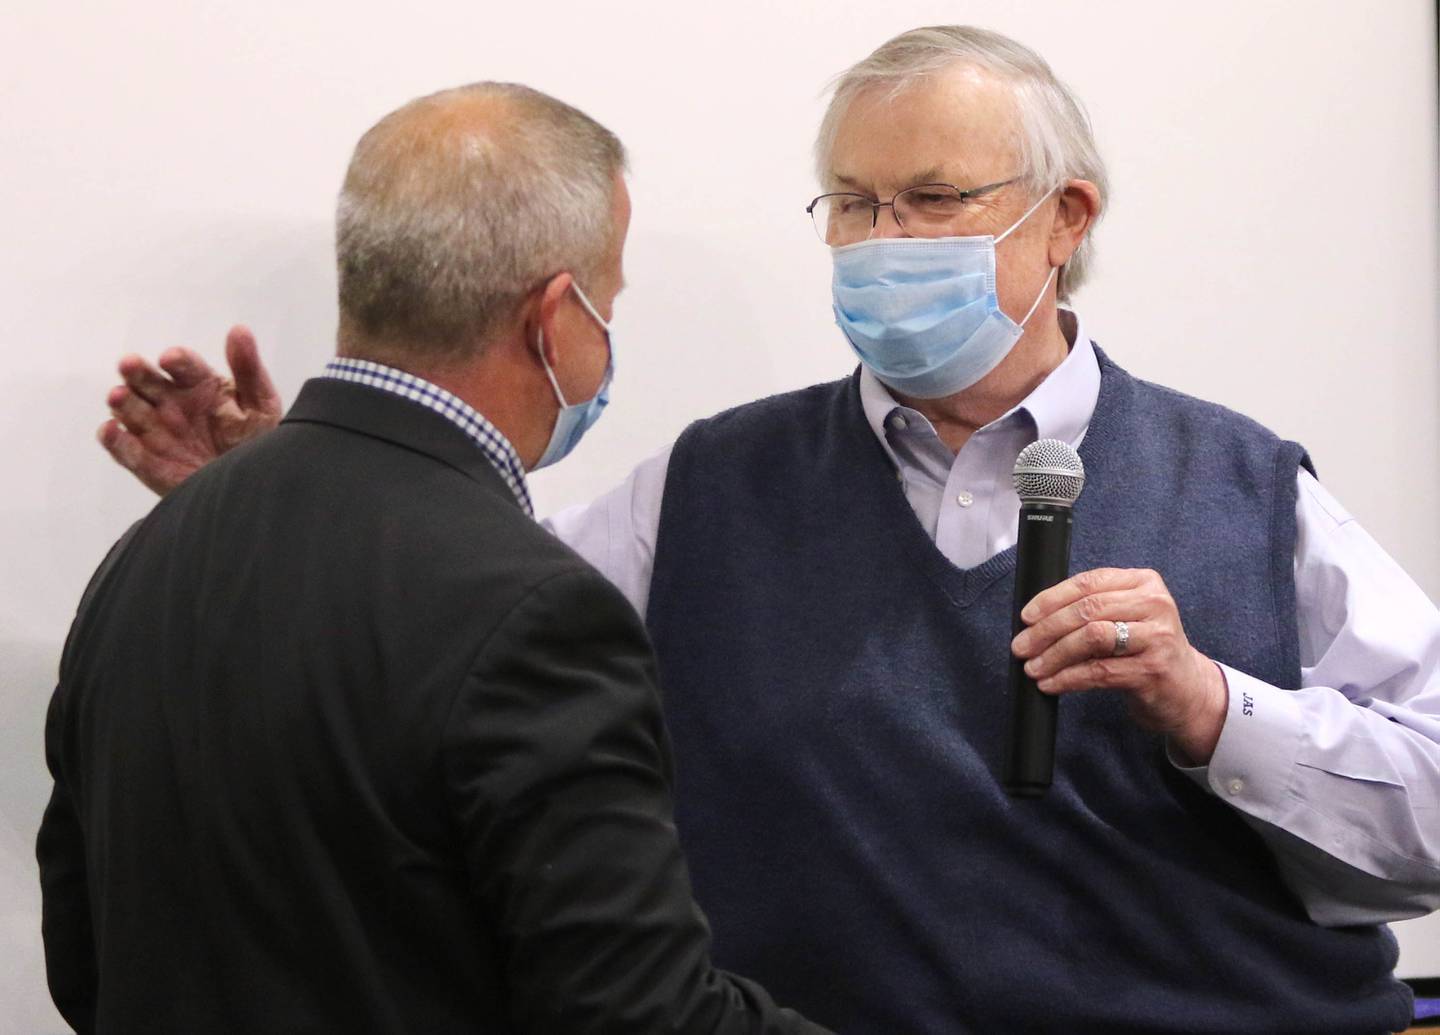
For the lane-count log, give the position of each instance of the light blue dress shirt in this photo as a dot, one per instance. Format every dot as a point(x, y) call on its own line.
point(1341, 778)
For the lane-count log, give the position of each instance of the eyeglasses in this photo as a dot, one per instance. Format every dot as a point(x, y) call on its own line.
point(926, 210)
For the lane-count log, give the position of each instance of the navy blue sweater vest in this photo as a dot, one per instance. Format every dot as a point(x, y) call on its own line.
point(836, 691)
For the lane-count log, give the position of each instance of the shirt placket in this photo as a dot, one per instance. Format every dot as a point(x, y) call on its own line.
point(971, 526)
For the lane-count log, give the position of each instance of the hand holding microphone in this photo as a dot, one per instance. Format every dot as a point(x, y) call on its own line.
point(1108, 628)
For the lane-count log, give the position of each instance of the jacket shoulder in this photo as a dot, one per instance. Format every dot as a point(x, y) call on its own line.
point(340, 502)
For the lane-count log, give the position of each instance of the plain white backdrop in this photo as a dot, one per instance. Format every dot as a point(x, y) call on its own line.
point(170, 168)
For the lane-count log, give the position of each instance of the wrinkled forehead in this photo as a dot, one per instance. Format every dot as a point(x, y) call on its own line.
point(960, 125)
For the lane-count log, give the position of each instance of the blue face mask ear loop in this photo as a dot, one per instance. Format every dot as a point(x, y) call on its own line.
point(540, 348)
point(1045, 286)
point(590, 308)
point(1036, 304)
point(1043, 198)
point(540, 344)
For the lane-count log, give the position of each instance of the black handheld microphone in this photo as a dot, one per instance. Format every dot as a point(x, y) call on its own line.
point(1048, 477)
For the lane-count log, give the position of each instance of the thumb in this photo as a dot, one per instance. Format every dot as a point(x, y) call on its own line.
point(254, 390)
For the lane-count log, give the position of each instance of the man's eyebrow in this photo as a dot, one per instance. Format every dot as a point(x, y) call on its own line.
point(931, 175)
point(845, 181)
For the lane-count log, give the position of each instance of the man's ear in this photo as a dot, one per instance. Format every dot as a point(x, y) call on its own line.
point(1077, 211)
point(541, 315)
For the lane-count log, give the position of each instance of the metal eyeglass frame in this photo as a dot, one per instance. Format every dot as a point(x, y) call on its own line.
point(876, 205)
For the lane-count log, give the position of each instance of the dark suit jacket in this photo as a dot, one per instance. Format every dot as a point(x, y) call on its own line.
point(345, 742)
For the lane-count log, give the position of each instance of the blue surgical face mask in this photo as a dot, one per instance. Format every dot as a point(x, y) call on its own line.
point(574, 419)
point(922, 314)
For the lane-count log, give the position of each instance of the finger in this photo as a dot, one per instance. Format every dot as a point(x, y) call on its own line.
point(1117, 605)
point(1093, 640)
point(253, 387)
point(1097, 580)
point(1124, 672)
point(137, 415)
point(143, 379)
point(124, 447)
point(186, 367)
point(130, 453)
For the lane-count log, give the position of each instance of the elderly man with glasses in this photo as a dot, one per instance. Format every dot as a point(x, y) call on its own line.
point(1241, 799)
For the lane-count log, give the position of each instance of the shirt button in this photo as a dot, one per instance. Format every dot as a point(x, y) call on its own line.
point(1235, 786)
point(964, 499)
point(898, 422)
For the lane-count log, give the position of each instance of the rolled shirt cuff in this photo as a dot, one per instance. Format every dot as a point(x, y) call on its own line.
point(1253, 767)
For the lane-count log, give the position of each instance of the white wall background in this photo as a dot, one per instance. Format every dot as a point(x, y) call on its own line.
point(169, 168)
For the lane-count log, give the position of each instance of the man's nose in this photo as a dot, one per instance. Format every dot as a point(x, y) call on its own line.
point(886, 225)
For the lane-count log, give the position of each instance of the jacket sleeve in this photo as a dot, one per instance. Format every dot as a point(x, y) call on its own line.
point(65, 901)
point(558, 767)
point(65, 922)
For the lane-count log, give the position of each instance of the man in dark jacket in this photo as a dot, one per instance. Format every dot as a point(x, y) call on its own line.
point(344, 741)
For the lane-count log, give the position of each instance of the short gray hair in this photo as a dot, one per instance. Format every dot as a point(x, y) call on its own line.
point(1055, 140)
point(457, 205)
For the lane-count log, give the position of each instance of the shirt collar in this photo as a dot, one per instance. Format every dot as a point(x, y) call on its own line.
point(1060, 406)
point(472, 422)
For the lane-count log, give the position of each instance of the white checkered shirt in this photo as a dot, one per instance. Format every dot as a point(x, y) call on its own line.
point(497, 447)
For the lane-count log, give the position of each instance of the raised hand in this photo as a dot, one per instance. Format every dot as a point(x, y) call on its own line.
point(169, 422)
point(1072, 643)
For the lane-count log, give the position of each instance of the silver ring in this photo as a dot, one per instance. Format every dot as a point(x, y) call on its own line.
point(1122, 639)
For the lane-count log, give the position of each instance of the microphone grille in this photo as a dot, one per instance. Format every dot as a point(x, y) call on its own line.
point(1049, 471)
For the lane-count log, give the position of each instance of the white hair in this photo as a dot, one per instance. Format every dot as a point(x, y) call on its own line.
point(457, 205)
point(1054, 136)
